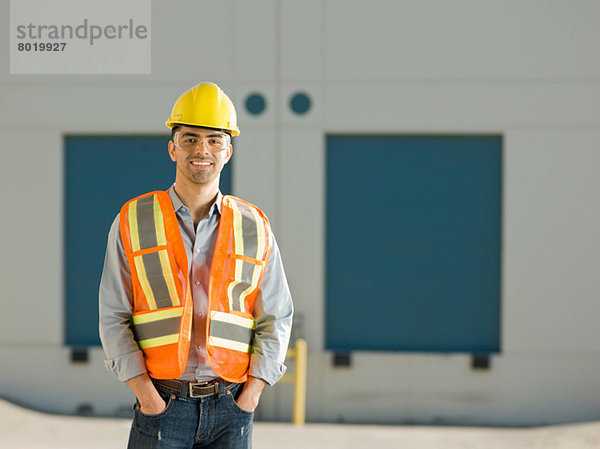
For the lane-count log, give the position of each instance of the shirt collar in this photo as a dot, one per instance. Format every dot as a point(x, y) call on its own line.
point(178, 204)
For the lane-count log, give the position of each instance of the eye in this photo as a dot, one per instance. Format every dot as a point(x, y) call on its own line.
point(215, 141)
point(189, 140)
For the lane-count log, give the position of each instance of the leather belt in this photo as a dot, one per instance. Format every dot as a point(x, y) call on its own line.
point(189, 389)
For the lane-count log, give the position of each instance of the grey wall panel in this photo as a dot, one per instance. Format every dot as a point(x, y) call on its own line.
point(467, 39)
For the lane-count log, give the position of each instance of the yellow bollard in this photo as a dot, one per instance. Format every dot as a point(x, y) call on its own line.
point(299, 415)
point(299, 381)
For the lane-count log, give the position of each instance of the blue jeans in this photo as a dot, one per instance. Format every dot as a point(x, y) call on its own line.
point(211, 422)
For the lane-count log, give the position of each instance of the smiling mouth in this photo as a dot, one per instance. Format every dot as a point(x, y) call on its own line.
point(200, 164)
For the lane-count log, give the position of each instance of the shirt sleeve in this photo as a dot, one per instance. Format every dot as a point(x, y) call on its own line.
point(273, 311)
point(124, 359)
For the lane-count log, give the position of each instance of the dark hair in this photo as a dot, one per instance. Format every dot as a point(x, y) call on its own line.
point(176, 128)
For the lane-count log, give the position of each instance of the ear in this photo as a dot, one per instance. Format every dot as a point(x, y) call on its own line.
point(229, 153)
point(172, 151)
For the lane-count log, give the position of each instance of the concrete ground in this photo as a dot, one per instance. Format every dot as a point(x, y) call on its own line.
point(25, 429)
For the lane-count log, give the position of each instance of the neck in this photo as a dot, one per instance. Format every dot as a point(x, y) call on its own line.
point(198, 198)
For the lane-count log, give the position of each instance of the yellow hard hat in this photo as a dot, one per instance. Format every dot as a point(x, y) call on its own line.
point(205, 105)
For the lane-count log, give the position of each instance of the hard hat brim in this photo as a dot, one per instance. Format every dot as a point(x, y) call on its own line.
point(172, 123)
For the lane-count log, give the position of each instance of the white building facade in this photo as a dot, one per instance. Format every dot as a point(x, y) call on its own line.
point(525, 71)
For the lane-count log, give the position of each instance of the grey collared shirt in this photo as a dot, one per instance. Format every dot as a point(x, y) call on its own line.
point(272, 311)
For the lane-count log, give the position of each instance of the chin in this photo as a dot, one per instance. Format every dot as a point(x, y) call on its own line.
point(202, 180)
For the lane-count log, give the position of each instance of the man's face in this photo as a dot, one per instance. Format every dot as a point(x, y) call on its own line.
point(200, 153)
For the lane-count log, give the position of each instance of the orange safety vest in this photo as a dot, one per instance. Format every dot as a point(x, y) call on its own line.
point(162, 301)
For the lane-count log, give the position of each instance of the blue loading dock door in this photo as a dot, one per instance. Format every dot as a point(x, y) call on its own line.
point(413, 243)
point(101, 174)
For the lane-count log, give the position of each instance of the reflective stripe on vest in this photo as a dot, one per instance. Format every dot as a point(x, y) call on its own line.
point(146, 224)
point(147, 230)
point(231, 331)
point(157, 328)
point(249, 238)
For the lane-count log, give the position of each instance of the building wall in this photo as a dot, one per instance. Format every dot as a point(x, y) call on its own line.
point(525, 70)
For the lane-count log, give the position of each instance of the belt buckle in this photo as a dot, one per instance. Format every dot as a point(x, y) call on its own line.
point(199, 384)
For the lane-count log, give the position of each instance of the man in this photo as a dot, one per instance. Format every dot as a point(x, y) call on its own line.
point(195, 311)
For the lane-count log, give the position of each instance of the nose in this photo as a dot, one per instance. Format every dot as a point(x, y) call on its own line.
point(202, 148)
